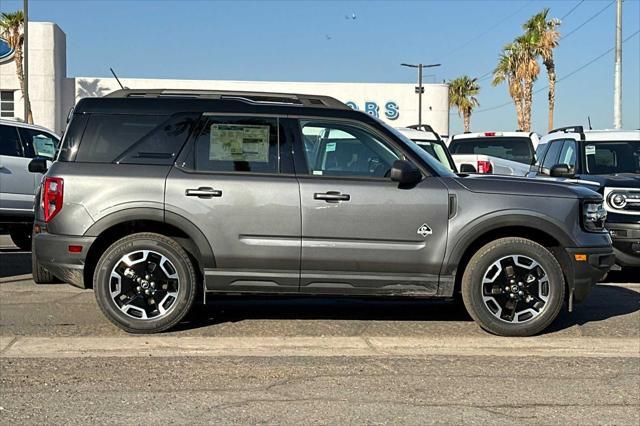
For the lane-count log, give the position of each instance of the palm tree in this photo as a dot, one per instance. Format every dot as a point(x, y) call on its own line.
point(462, 95)
point(527, 70)
point(546, 36)
point(12, 30)
point(506, 71)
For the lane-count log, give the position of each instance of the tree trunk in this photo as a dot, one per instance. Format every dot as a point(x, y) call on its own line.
point(18, 58)
point(551, 75)
point(466, 114)
point(527, 103)
point(514, 91)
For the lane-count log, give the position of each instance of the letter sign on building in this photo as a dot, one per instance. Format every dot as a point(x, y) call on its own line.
point(391, 109)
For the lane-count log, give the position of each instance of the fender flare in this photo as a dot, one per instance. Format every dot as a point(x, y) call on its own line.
point(496, 220)
point(199, 240)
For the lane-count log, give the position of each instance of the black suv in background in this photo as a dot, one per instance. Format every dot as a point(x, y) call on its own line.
point(607, 161)
point(158, 196)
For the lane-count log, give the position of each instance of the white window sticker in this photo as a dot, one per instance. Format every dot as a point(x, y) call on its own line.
point(590, 150)
point(239, 142)
point(331, 146)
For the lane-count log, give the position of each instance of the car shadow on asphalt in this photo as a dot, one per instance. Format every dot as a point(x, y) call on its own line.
point(604, 302)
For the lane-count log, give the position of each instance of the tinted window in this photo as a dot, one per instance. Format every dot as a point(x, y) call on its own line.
point(337, 149)
point(612, 157)
point(513, 149)
point(238, 144)
point(551, 158)
point(37, 143)
point(568, 153)
point(161, 145)
point(10, 142)
point(107, 136)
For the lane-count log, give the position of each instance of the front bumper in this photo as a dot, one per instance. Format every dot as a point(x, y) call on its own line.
point(626, 243)
point(53, 254)
point(586, 273)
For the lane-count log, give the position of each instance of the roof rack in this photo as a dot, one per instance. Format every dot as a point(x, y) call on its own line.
point(421, 127)
point(569, 129)
point(250, 97)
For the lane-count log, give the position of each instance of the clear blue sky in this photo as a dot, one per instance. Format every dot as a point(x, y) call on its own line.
point(289, 40)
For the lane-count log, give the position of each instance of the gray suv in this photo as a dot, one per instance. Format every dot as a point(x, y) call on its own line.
point(161, 198)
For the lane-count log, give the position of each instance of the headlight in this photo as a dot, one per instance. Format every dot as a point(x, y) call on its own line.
point(593, 216)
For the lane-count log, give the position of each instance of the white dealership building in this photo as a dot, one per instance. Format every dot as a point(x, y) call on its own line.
point(53, 93)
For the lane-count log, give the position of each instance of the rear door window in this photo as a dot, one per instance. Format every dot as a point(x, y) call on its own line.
point(519, 149)
point(10, 142)
point(108, 136)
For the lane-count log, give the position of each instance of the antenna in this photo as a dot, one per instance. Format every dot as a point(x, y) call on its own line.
point(589, 120)
point(117, 79)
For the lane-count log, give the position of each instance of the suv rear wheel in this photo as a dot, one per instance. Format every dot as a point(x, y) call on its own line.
point(513, 287)
point(145, 283)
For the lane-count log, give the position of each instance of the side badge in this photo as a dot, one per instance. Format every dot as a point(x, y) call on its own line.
point(424, 230)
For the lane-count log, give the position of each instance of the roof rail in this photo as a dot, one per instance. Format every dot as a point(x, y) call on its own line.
point(569, 129)
point(421, 127)
point(250, 97)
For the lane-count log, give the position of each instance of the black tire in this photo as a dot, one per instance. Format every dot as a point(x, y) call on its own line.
point(165, 246)
point(480, 264)
point(40, 274)
point(21, 236)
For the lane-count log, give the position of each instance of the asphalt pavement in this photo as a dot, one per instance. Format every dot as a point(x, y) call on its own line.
point(312, 361)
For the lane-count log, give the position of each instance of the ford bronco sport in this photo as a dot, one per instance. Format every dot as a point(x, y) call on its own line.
point(161, 198)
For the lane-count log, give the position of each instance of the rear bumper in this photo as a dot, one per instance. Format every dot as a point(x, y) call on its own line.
point(626, 243)
point(52, 252)
point(587, 273)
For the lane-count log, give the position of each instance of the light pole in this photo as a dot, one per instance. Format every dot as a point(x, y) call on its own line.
point(420, 88)
point(25, 57)
point(617, 77)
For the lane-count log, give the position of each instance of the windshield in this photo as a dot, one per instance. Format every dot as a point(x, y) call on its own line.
point(431, 161)
point(517, 149)
point(435, 149)
point(609, 157)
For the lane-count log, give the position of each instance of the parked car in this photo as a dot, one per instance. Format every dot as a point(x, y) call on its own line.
point(429, 140)
point(161, 196)
point(502, 153)
point(607, 161)
point(19, 143)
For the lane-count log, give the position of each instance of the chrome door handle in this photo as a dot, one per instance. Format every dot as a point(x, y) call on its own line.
point(331, 196)
point(203, 192)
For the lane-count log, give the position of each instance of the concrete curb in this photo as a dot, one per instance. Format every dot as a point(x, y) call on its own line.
point(25, 277)
point(171, 346)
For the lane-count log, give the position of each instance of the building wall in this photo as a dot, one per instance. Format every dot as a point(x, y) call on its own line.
point(47, 72)
point(370, 97)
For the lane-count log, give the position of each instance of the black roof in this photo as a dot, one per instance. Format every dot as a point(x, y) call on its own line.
point(163, 101)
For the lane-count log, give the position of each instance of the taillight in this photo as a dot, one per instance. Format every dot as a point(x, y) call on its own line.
point(484, 167)
point(51, 197)
point(489, 133)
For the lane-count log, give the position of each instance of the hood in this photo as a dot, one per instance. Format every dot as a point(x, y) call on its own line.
point(517, 185)
point(618, 180)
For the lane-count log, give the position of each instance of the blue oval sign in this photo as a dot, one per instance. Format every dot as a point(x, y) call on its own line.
point(5, 50)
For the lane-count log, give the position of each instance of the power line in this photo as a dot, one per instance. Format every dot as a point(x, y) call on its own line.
point(487, 31)
point(588, 20)
point(542, 89)
point(572, 9)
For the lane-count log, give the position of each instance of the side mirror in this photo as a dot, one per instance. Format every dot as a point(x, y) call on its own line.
point(38, 165)
point(467, 168)
point(562, 170)
point(405, 173)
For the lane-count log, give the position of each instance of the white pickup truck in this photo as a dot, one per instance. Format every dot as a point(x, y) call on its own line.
point(501, 153)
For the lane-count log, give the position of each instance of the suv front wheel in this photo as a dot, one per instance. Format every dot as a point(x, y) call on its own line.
point(513, 287)
point(145, 283)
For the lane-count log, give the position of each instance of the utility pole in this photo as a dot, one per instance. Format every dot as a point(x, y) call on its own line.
point(420, 88)
point(617, 77)
point(25, 48)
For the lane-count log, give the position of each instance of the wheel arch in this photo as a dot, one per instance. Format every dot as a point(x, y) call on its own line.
point(535, 228)
point(117, 225)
